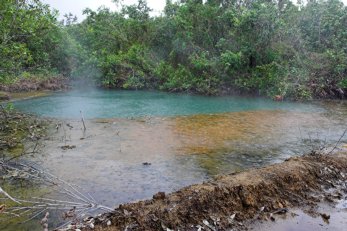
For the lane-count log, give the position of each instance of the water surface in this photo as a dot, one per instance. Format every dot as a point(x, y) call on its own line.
point(187, 139)
point(125, 104)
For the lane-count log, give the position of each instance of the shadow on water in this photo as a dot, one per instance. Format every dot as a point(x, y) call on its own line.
point(177, 134)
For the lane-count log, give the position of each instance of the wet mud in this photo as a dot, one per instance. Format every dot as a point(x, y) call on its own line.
point(234, 201)
point(36, 84)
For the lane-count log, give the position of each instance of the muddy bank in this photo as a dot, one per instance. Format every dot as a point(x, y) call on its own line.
point(231, 200)
point(33, 84)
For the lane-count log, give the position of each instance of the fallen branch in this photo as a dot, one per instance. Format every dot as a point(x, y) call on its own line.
point(84, 126)
point(8, 196)
point(25, 152)
point(80, 202)
point(44, 222)
point(337, 143)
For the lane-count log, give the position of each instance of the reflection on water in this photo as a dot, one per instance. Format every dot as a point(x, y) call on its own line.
point(186, 149)
point(182, 150)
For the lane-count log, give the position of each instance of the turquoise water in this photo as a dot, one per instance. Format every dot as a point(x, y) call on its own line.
point(218, 135)
point(126, 104)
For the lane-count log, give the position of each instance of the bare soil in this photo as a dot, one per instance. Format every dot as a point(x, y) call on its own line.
point(230, 201)
point(36, 84)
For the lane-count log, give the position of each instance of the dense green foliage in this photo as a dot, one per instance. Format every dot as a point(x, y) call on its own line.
point(256, 47)
point(32, 42)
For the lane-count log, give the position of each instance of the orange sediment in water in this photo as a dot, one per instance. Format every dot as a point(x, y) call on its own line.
point(206, 134)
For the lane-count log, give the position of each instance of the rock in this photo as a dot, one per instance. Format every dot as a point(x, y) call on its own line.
point(159, 196)
point(272, 217)
point(281, 211)
point(66, 147)
point(231, 218)
point(325, 216)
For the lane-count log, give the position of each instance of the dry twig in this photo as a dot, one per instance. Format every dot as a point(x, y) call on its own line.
point(74, 208)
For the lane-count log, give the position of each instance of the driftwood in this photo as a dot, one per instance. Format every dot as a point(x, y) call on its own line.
point(73, 201)
point(73, 208)
point(82, 118)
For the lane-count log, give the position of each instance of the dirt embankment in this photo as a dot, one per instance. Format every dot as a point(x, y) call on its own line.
point(36, 84)
point(228, 201)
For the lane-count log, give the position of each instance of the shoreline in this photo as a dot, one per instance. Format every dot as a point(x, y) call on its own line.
point(30, 88)
point(231, 201)
point(56, 84)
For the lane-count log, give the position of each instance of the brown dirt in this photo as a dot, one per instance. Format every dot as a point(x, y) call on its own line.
point(229, 201)
point(37, 84)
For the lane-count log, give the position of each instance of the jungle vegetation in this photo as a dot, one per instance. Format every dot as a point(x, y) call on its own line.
point(257, 47)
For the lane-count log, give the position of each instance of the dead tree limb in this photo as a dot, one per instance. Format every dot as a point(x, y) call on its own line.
point(84, 125)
